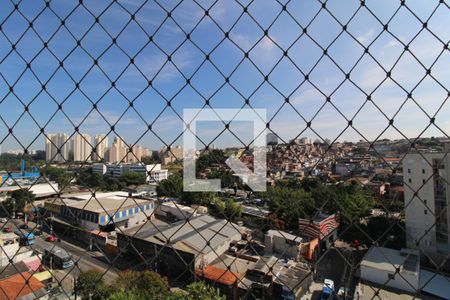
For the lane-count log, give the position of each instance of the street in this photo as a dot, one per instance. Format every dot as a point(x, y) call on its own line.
point(83, 258)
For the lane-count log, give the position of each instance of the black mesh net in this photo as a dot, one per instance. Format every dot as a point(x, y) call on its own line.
point(356, 94)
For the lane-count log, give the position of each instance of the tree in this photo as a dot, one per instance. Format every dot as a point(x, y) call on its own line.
point(19, 200)
point(289, 204)
point(173, 187)
point(200, 290)
point(225, 209)
point(209, 158)
point(132, 178)
point(232, 209)
point(170, 187)
point(90, 285)
point(143, 285)
point(58, 175)
point(148, 160)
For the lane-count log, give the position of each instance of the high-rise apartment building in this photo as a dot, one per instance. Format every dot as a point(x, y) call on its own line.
point(55, 143)
point(118, 151)
point(82, 147)
point(48, 147)
point(101, 145)
point(427, 196)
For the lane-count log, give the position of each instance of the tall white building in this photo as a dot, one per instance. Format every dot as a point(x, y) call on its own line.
point(53, 144)
point(427, 196)
point(48, 147)
point(82, 148)
point(101, 145)
point(118, 151)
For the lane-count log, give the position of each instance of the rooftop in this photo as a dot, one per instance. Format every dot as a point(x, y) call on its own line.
point(100, 205)
point(390, 259)
point(219, 275)
point(284, 234)
point(193, 234)
point(17, 286)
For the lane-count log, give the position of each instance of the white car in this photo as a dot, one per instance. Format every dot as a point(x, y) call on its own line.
point(329, 283)
point(343, 291)
point(3, 220)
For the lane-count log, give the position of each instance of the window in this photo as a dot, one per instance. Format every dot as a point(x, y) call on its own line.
point(116, 216)
point(391, 276)
point(425, 212)
point(130, 211)
point(124, 214)
point(423, 181)
point(409, 171)
point(136, 210)
point(425, 202)
point(423, 171)
point(102, 220)
point(409, 180)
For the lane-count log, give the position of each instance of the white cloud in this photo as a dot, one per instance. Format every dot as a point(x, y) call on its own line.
point(366, 37)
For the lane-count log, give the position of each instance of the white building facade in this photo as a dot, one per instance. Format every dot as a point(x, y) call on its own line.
point(427, 194)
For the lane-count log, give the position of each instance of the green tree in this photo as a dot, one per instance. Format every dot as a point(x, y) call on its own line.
point(210, 158)
point(200, 198)
point(90, 285)
point(148, 160)
point(200, 290)
point(170, 187)
point(19, 200)
point(232, 209)
point(143, 285)
point(58, 175)
point(289, 204)
point(132, 178)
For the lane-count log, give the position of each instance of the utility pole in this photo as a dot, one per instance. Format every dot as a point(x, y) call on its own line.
point(51, 223)
point(14, 208)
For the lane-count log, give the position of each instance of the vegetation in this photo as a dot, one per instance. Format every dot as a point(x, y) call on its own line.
point(19, 200)
point(228, 209)
point(149, 160)
point(12, 162)
point(173, 187)
point(210, 158)
point(199, 290)
point(102, 182)
point(59, 175)
point(90, 285)
point(134, 285)
point(290, 200)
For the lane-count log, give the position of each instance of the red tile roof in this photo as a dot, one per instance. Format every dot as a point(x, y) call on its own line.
point(219, 275)
point(16, 286)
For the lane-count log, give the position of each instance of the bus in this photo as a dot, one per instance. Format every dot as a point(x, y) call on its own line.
point(56, 257)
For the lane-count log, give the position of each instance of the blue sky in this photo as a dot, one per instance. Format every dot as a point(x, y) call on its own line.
point(206, 82)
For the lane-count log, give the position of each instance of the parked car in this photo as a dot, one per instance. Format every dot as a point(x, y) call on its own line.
point(343, 291)
point(7, 229)
point(328, 290)
point(24, 226)
point(3, 220)
point(51, 238)
point(38, 232)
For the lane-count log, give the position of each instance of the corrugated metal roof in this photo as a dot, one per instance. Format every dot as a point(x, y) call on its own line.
point(193, 236)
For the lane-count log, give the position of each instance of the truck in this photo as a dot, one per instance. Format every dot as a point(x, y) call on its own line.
point(327, 290)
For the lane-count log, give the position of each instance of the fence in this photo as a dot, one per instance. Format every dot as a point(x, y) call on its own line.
point(356, 94)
